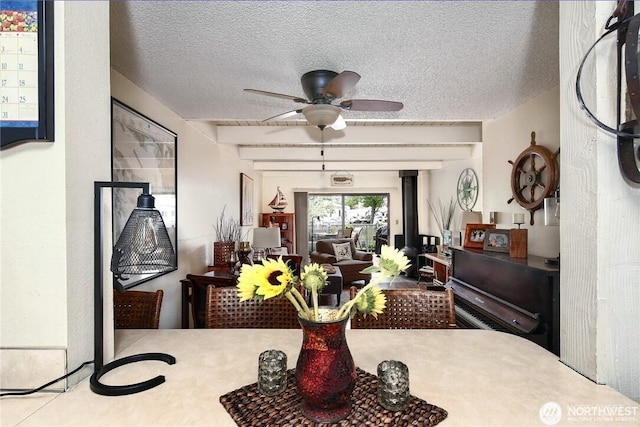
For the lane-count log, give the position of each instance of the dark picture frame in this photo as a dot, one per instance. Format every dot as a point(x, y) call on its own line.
point(246, 200)
point(284, 226)
point(474, 235)
point(26, 99)
point(143, 151)
point(497, 240)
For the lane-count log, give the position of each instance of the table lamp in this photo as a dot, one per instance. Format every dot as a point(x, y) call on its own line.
point(263, 240)
point(143, 247)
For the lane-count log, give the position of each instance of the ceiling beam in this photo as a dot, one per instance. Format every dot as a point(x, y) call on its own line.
point(316, 166)
point(440, 133)
point(350, 153)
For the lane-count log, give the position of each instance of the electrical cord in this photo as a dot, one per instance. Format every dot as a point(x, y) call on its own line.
point(35, 390)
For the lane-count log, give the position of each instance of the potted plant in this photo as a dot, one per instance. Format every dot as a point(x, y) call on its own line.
point(348, 229)
point(443, 214)
point(228, 232)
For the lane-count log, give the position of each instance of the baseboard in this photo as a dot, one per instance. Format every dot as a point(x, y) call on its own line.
point(28, 368)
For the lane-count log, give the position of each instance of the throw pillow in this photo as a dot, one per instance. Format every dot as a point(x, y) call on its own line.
point(342, 251)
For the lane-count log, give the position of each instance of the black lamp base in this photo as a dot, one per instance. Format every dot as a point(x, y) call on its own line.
point(121, 390)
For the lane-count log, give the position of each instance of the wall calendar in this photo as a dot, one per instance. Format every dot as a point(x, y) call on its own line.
point(26, 71)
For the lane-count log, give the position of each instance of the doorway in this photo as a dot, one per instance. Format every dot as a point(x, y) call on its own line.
point(362, 217)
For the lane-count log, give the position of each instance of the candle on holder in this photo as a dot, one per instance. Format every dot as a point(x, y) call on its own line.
point(393, 385)
point(518, 218)
point(272, 372)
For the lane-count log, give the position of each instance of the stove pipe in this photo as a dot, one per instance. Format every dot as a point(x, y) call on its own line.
point(410, 216)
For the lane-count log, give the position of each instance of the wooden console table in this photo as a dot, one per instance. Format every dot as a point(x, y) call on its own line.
point(441, 267)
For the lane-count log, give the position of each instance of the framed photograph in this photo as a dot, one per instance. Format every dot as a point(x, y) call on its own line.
point(246, 200)
point(474, 235)
point(142, 151)
point(497, 240)
point(284, 226)
point(26, 87)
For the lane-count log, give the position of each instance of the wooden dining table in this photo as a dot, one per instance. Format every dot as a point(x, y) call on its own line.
point(480, 378)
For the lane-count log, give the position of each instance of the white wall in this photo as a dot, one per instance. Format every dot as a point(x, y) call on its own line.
point(504, 138)
point(208, 180)
point(600, 291)
point(47, 197)
point(442, 184)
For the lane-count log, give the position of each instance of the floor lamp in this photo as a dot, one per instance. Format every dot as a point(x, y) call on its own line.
point(143, 247)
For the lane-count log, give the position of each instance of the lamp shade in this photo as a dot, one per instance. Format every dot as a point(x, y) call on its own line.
point(144, 245)
point(552, 211)
point(266, 237)
point(469, 217)
point(321, 114)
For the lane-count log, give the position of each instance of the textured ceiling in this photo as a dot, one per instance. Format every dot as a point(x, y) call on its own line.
point(445, 60)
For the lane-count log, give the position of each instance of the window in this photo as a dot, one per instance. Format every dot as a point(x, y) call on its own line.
point(359, 216)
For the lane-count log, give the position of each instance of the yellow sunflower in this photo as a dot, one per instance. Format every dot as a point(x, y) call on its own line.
point(313, 277)
point(249, 276)
point(371, 301)
point(392, 261)
point(275, 278)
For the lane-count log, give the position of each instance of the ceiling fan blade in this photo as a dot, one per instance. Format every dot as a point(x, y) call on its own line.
point(371, 105)
point(339, 124)
point(284, 115)
point(278, 95)
point(341, 84)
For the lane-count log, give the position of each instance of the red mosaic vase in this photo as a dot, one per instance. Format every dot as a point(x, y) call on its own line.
point(325, 372)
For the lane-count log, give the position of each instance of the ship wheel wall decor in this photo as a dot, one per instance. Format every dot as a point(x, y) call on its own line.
point(535, 175)
point(467, 189)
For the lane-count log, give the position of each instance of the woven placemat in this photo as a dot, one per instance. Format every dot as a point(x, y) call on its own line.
point(248, 407)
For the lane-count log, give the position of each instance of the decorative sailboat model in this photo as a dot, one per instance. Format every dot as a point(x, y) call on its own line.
point(279, 202)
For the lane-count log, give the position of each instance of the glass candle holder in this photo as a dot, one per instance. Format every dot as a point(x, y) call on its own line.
point(393, 385)
point(272, 372)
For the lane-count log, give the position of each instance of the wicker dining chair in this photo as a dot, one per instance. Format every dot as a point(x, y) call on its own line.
point(410, 309)
point(137, 309)
point(196, 293)
point(225, 310)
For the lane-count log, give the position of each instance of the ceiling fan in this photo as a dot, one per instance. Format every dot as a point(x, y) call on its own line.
point(322, 87)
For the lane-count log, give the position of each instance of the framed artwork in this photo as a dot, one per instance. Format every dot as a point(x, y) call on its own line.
point(246, 200)
point(26, 78)
point(143, 151)
point(497, 240)
point(474, 235)
point(284, 226)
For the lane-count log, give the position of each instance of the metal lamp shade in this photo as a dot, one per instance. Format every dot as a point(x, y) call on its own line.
point(144, 245)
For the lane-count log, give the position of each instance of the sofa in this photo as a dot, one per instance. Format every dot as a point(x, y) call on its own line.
point(350, 268)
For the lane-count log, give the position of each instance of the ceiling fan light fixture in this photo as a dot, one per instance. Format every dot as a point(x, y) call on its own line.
point(321, 114)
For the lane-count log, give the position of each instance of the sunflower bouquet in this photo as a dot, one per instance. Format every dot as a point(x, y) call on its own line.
point(274, 278)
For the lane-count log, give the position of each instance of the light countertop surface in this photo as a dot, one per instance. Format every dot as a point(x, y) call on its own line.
point(481, 378)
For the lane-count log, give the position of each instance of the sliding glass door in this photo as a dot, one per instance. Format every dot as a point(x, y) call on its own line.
point(361, 217)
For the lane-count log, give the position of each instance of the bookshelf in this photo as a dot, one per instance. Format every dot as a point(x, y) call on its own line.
point(286, 223)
